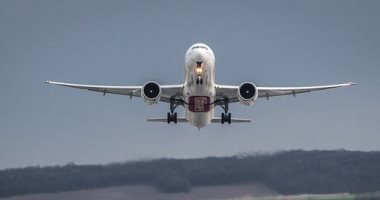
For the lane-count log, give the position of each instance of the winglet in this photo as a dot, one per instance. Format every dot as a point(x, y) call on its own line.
point(47, 81)
point(351, 83)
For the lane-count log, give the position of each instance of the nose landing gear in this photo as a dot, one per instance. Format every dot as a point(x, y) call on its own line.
point(199, 80)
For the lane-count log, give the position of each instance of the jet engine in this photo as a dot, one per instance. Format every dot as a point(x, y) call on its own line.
point(247, 93)
point(151, 91)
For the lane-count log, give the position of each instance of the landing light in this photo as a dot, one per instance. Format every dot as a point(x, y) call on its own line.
point(199, 70)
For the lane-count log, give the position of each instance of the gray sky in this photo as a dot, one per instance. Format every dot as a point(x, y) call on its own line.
point(271, 43)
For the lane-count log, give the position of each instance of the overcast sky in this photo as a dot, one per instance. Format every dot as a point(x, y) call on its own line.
point(271, 43)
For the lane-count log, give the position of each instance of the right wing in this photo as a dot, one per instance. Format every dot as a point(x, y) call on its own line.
point(168, 91)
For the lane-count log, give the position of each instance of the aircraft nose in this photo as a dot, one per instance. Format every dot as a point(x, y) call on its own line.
point(199, 56)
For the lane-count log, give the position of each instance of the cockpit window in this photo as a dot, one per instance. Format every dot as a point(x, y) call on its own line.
point(202, 47)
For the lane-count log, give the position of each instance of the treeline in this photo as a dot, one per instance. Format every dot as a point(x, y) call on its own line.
point(291, 172)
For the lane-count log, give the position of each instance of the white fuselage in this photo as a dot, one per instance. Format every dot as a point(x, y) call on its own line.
point(199, 87)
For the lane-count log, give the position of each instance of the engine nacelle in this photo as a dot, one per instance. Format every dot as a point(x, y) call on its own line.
point(247, 93)
point(151, 92)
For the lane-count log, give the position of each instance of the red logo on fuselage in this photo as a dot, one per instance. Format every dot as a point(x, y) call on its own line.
point(199, 103)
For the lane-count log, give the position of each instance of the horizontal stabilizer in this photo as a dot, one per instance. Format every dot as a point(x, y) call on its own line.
point(214, 120)
point(233, 120)
point(179, 119)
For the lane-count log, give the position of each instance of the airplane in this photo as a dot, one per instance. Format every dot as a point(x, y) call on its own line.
point(199, 94)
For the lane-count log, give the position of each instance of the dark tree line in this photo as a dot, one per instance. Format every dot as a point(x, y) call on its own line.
point(292, 172)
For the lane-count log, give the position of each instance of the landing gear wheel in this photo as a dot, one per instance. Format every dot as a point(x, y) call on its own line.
point(226, 117)
point(199, 81)
point(169, 118)
point(172, 117)
point(175, 118)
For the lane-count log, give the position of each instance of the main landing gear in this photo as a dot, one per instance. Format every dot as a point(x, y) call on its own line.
point(174, 103)
point(172, 117)
point(226, 116)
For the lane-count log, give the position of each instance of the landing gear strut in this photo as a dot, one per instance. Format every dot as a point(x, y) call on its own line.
point(226, 116)
point(174, 103)
point(199, 72)
point(199, 81)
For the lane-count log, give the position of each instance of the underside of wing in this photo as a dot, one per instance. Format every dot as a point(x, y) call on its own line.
point(168, 91)
point(122, 90)
point(171, 91)
point(278, 91)
point(230, 92)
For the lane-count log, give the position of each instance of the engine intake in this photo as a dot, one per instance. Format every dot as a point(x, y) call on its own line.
point(151, 91)
point(247, 93)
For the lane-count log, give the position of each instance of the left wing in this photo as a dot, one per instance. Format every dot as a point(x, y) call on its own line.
point(230, 92)
point(168, 91)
